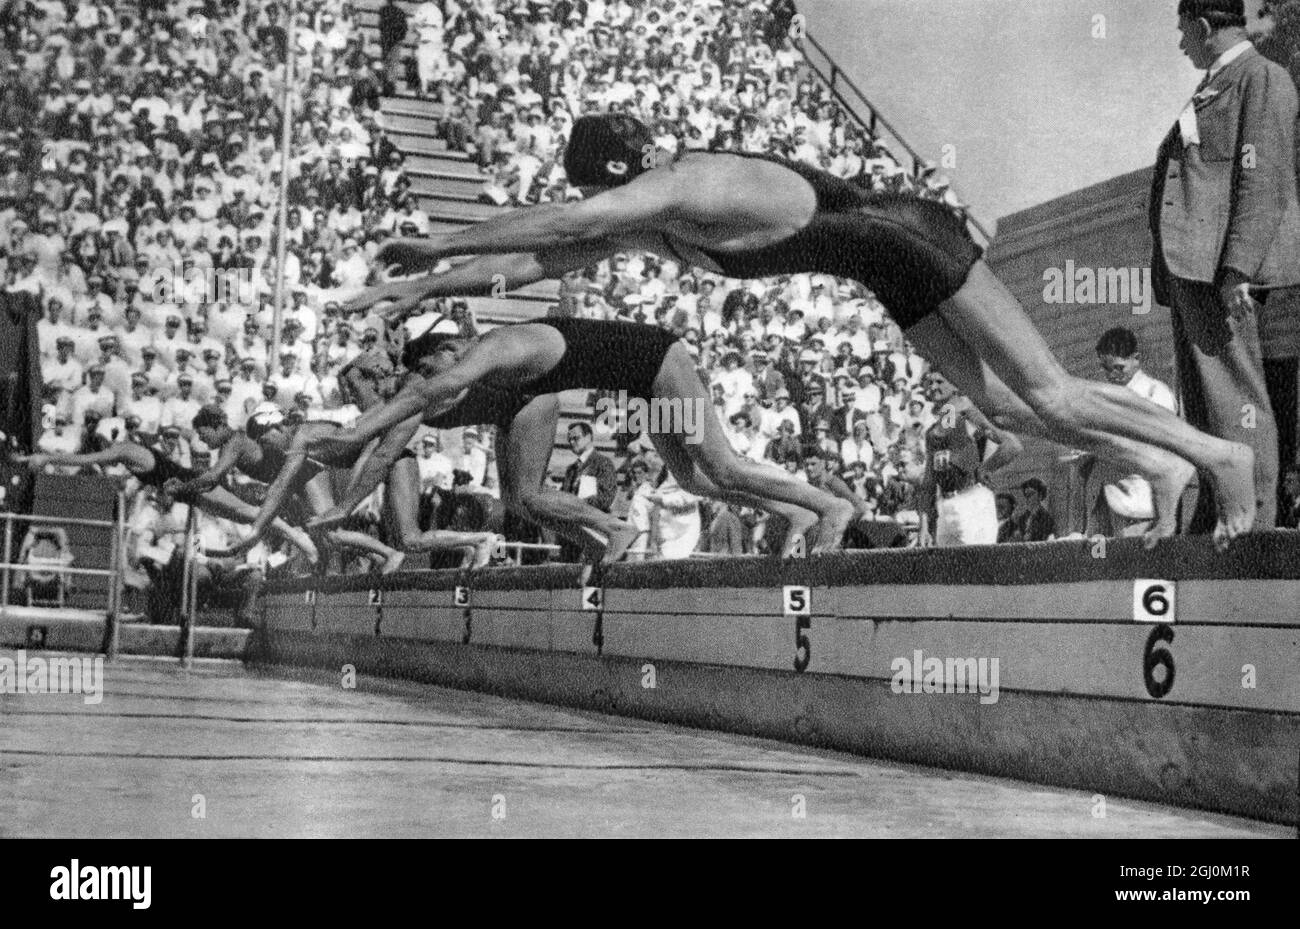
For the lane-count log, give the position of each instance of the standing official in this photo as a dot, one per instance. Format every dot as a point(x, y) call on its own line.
point(1226, 227)
point(591, 477)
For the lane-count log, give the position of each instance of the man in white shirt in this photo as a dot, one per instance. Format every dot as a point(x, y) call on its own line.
point(63, 371)
point(435, 467)
point(1122, 504)
point(93, 396)
point(178, 412)
point(144, 405)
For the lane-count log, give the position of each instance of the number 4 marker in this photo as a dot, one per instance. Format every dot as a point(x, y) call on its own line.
point(593, 598)
point(1154, 601)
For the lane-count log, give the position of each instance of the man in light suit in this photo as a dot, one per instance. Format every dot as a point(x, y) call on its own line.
point(1226, 226)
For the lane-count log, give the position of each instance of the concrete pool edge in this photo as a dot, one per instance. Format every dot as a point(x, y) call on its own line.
point(1221, 760)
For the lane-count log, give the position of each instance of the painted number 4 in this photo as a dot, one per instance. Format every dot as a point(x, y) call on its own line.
point(593, 598)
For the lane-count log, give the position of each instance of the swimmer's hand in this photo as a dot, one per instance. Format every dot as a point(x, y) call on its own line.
point(172, 486)
point(401, 298)
point(407, 256)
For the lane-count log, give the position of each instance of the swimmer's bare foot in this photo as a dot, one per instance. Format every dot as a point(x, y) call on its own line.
point(1166, 490)
point(796, 537)
point(302, 541)
point(482, 553)
point(832, 526)
point(330, 519)
point(620, 540)
point(1234, 493)
point(392, 563)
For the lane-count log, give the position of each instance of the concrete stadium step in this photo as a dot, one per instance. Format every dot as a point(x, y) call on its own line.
point(412, 106)
point(396, 125)
point(453, 188)
point(455, 211)
point(419, 144)
point(446, 164)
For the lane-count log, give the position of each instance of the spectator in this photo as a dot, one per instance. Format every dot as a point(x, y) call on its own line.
point(1035, 523)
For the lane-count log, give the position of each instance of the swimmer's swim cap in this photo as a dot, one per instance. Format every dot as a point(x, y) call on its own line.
point(607, 151)
point(259, 424)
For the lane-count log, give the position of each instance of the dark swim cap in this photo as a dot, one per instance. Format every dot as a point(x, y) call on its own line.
point(607, 151)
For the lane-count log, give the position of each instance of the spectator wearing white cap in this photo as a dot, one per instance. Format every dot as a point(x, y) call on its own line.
point(144, 405)
point(63, 371)
point(178, 411)
point(291, 380)
point(246, 389)
point(92, 396)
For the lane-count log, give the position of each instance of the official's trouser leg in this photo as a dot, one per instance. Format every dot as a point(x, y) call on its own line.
point(1225, 393)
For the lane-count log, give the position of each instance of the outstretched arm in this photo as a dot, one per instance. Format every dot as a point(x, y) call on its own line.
point(294, 461)
point(643, 205)
point(377, 465)
point(482, 276)
point(121, 453)
point(226, 461)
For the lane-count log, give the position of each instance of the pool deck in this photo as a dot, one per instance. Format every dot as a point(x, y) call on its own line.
point(289, 752)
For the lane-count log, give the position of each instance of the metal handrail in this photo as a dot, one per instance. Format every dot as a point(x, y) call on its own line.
point(49, 567)
point(875, 119)
point(115, 571)
point(60, 520)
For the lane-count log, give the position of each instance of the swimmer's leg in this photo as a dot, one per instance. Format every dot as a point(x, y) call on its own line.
point(222, 503)
point(402, 507)
point(713, 454)
point(1090, 414)
point(523, 458)
point(320, 497)
point(1169, 475)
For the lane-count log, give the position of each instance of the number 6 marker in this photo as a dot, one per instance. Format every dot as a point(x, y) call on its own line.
point(1154, 601)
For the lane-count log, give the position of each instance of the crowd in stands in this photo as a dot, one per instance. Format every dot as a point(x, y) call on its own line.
point(140, 175)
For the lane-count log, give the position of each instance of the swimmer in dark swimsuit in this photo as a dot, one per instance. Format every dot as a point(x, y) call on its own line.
point(648, 363)
point(269, 452)
point(756, 216)
point(526, 427)
point(155, 469)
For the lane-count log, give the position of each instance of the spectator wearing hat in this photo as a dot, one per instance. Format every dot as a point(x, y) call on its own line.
point(144, 405)
point(171, 339)
point(246, 388)
point(92, 397)
point(87, 335)
point(178, 411)
point(152, 369)
point(53, 327)
point(1220, 230)
point(117, 373)
point(63, 372)
point(734, 380)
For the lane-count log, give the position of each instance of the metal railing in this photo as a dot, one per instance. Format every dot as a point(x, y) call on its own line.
point(857, 105)
point(44, 566)
point(503, 548)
